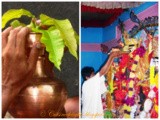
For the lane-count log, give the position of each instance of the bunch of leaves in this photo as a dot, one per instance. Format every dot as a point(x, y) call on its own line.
point(58, 35)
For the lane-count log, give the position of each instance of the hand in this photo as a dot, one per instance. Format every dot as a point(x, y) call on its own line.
point(115, 53)
point(17, 68)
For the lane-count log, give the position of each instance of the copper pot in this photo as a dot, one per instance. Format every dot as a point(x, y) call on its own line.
point(45, 95)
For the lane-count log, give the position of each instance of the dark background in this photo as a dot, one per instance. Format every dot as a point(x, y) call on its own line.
point(60, 10)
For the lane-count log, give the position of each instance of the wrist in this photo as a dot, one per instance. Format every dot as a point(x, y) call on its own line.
point(7, 98)
point(8, 91)
point(111, 57)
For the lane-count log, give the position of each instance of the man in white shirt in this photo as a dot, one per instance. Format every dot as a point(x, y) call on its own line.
point(94, 86)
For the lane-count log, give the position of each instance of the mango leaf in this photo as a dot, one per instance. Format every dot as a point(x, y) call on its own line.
point(16, 23)
point(59, 35)
point(54, 43)
point(77, 37)
point(46, 20)
point(14, 13)
point(68, 35)
point(32, 25)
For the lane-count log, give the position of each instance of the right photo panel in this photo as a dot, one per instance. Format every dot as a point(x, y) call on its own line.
point(119, 59)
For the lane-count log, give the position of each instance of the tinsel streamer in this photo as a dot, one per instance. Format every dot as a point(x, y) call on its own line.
point(109, 101)
point(110, 80)
point(152, 74)
point(130, 101)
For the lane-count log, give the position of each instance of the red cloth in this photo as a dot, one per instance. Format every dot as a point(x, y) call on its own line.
point(94, 9)
point(95, 23)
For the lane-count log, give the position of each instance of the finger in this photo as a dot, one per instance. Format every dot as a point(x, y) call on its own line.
point(5, 35)
point(22, 37)
point(115, 49)
point(11, 43)
point(33, 57)
point(122, 53)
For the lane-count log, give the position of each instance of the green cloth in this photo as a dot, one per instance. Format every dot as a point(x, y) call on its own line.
point(108, 114)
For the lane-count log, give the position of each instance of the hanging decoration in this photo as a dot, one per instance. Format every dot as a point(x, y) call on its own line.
point(147, 22)
point(113, 14)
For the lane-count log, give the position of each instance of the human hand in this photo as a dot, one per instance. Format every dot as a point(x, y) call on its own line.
point(17, 68)
point(115, 53)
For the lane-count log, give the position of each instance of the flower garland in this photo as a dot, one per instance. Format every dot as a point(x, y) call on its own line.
point(126, 72)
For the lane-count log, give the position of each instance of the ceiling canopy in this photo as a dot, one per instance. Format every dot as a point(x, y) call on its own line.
point(102, 14)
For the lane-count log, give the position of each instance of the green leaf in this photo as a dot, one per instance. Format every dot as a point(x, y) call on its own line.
point(32, 24)
point(46, 20)
point(77, 37)
point(14, 13)
point(16, 23)
point(59, 34)
point(54, 43)
point(68, 35)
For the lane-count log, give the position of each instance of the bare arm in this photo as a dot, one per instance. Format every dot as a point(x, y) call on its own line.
point(16, 67)
point(114, 54)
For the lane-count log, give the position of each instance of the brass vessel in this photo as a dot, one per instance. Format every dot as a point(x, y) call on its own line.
point(45, 95)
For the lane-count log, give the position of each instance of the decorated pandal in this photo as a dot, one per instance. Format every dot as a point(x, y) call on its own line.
point(133, 79)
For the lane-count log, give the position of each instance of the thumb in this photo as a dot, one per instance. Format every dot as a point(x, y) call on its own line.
point(33, 57)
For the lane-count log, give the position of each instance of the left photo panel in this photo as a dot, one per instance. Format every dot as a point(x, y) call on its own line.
point(40, 60)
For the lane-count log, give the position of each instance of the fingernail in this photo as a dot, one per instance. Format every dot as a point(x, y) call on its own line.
point(38, 45)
